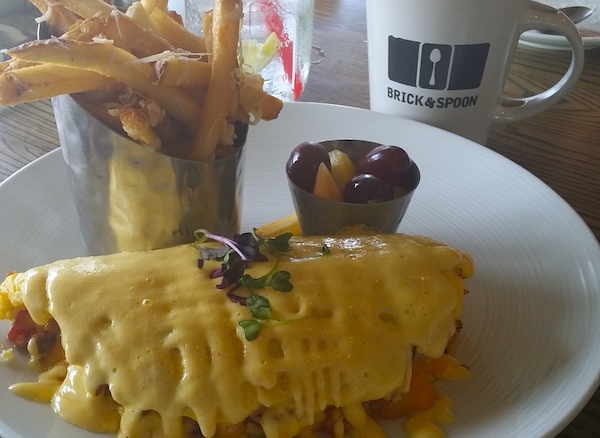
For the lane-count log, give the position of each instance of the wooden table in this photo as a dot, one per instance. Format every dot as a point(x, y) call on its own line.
point(561, 146)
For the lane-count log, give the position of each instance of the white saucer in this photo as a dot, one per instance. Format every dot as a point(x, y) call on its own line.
point(589, 28)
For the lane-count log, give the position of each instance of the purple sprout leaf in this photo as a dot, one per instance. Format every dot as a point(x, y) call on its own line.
point(236, 298)
point(235, 270)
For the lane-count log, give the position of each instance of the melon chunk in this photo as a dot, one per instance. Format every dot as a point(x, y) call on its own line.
point(325, 185)
point(342, 168)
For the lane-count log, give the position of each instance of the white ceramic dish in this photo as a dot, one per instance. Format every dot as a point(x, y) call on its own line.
point(589, 28)
point(532, 320)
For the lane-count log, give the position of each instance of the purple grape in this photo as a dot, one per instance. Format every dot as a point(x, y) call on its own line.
point(390, 163)
point(304, 162)
point(367, 189)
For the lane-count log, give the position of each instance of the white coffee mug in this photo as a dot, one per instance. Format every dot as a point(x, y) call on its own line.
point(445, 62)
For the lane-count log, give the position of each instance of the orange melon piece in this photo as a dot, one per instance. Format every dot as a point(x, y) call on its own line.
point(342, 168)
point(325, 185)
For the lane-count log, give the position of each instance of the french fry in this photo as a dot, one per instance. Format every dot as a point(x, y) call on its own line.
point(88, 8)
point(271, 107)
point(261, 106)
point(113, 62)
point(233, 105)
point(182, 71)
point(97, 107)
point(225, 31)
point(139, 14)
point(176, 17)
point(175, 33)
point(58, 18)
point(5, 65)
point(43, 81)
point(197, 93)
point(251, 94)
point(207, 26)
point(137, 124)
point(149, 5)
point(125, 68)
point(13, 64)
point(125, 32)
point(107, 106)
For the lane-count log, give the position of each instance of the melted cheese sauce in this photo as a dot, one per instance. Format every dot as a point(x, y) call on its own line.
point(152, 328)
point(140, 183)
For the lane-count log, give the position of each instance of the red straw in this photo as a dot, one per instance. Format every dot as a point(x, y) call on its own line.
point(275, 24)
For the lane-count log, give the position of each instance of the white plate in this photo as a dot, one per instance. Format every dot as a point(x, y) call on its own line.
point(589, 28)
point(532, 320)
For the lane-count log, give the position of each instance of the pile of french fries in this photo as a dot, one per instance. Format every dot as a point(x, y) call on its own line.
point(141, 71)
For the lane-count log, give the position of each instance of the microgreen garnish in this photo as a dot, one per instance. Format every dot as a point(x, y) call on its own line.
point(278, 280)
point(203, 236)
point(281, 281)
point(276, 245)
point(251, 328)
point(259, 306)
point(235, 256)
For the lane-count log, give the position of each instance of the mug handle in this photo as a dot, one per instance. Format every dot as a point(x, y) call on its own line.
point(543, 17)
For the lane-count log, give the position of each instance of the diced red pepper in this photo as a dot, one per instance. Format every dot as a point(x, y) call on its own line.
point(23, 329)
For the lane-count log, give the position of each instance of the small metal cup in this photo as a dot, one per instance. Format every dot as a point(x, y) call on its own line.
point(130, 198)
point(318, 216)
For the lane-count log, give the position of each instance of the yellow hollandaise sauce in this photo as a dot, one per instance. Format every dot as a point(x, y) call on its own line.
point(150, 340)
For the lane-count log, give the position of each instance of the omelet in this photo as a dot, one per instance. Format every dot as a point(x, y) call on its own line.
point(161, 344)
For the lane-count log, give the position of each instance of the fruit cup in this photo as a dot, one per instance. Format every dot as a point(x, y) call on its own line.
point(331, 193)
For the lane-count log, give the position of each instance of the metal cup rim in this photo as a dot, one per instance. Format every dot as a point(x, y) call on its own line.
point(324, 216)
point(328, 145)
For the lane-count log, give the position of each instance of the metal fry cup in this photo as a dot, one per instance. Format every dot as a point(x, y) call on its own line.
point(318, 216)
point(130, 198)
